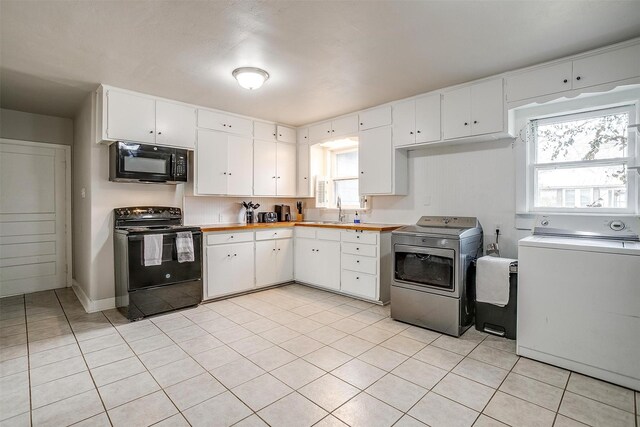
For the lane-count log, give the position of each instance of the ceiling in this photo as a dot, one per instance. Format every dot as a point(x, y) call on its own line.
point(325, 57)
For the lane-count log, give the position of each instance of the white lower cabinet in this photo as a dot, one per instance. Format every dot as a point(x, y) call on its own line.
point(274, 261)
point(317, 262)
point(229, 268)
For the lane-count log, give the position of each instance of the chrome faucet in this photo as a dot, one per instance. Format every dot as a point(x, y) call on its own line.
point(341, 215)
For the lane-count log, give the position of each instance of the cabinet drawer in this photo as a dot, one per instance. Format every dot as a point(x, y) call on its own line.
point(359, 249)
point(220, 238)
point(360, 237)
point(274, 233)
point(360, 263)
point(328, 234)
point(364, 285)
point(306, 232)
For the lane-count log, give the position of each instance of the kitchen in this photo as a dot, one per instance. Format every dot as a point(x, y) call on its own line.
point(322, 350)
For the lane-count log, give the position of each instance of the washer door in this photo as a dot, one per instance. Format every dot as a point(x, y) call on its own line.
point(425, 268)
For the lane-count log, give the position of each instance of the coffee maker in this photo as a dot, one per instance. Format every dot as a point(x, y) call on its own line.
point(283, 212)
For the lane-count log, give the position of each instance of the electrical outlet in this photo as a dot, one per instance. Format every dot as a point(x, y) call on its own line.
point(498, 227)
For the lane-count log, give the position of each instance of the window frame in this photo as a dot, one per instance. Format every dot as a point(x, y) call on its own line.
point(593, 111)
point(333, 178)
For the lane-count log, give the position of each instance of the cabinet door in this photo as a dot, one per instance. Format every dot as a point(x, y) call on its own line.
point(607, 67)
point(304, 260)
point(487, 107)
point(130, 117)
point(175, 125)
point(327, 260)
point(320, 131)
point(404, 123)
point(224, 122)
point(230, 268)
point(286, 134)
point(240, 166)
point(264, 131)
point(428, 118)
point(302, 136)
point(456, 113)
point(286, 169)
point(538, 82)
point(284, 261)
point(211, 163)
point(375, 118)
point(304, 180)
point(264, 168)
point(375, 157)
point(344, 126)
point(239, 125)
point(266, 263)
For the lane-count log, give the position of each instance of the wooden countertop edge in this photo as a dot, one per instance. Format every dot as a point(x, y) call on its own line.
point(236, 227)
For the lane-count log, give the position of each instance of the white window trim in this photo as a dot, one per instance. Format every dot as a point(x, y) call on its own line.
point(524, 151)
point(332, 179)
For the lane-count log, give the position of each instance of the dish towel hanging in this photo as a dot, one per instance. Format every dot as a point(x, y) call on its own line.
point(152, 249)
point(492, 280)
point(184, 246)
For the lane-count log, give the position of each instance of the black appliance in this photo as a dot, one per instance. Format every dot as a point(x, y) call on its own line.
point(283, 212)
point(144, 290)
point(133, 162)
point(267, 217)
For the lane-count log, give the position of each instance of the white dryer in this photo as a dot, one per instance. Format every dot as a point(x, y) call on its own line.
point(579, 296)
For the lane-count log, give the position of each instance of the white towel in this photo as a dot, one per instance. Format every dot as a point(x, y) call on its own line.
point(492, 280)
point(152, 249)
point(184, 246)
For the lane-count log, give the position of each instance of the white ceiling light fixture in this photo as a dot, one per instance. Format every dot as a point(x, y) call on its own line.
point(250, 77)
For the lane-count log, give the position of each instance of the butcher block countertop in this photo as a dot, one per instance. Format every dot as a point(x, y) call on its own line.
point(256, 226)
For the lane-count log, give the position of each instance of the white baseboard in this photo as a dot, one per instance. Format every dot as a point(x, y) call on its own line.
point(91, 306)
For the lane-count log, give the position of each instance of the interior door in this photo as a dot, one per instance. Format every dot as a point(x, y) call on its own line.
point(130, 117)
point(33, 202)
point(286, 168)
point(240, 166)
point(375, 157)
point(211, 162)
point(264, 168)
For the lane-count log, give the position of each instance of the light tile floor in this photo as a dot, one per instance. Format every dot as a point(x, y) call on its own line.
point(289, 356)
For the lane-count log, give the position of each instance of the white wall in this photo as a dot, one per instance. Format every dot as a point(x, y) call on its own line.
point(225, 210)
point(93, 220)
point(476, 179)
point(35, 127)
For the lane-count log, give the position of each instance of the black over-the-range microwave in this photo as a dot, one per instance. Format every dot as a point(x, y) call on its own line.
point(147, 163)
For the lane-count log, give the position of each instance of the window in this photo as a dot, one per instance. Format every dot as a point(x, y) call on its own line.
point(344, 175)
point(578, 162)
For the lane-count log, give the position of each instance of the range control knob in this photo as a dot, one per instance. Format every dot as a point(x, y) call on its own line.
point(617, 225)
point(544, 222)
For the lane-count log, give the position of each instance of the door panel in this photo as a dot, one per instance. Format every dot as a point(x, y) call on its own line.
point(264, 168)
point(266, 262)
point(284, 262)
point(375, 157)
point(286, 168)
point(240, 166)
point(428, 118)
point(264, 131)
point(487, 107)
point(456, 113)
point(304, 180)
point(229, 268)
point(327, 264)
point(130, 117)
point(211, 163)
point(541, 81)
point(286, 134)
point(175, 125)
point(344, 126)
point(404, 123)
point(33, 201)
point(304, 260)
point(607, 67)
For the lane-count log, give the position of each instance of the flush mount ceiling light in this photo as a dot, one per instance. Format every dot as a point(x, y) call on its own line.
point(250, 77)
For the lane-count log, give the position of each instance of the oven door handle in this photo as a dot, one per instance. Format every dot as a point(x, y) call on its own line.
point(137, 237)
point(173, 165)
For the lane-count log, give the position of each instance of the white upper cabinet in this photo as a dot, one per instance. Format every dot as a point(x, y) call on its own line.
point(611, 66)
point(275, 169)
point(223, 164)
point(286, 134)
point(383, 170)
point(343, 126)
point(264, 172)
point(175, 125)
point(375, 118)
point(591, 70)
point(416, 121)
point(130, 117)
point(286, 170)
point(304, 186)
point(476, 109)
point(224, 122)
point(302, 135)
point(264, 131)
